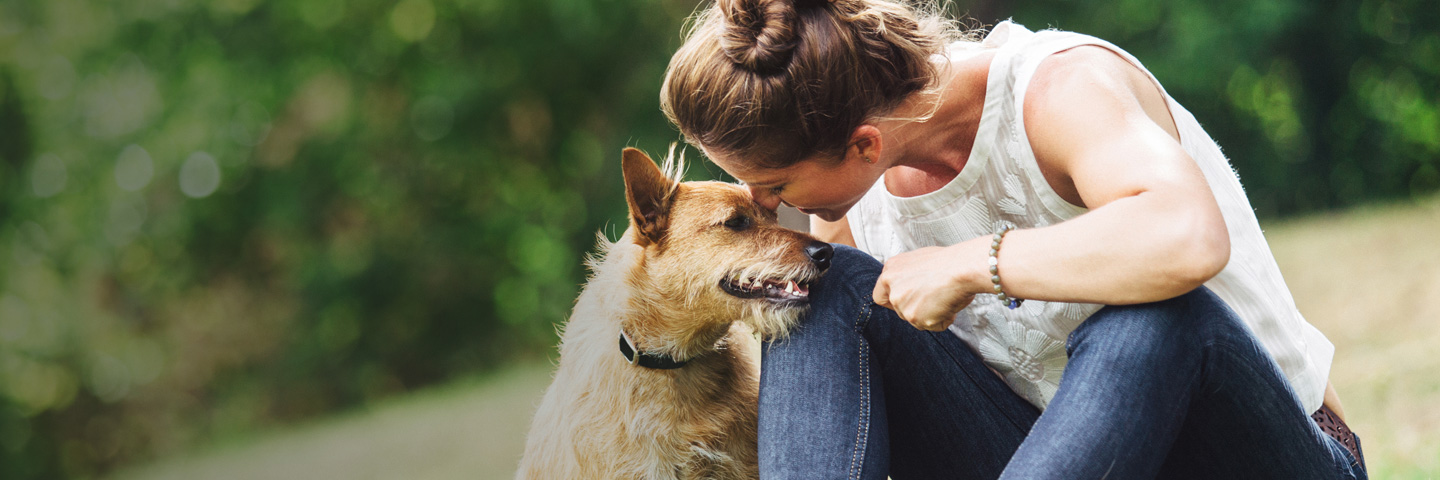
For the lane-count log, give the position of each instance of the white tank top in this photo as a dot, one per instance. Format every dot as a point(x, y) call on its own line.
point(1002, 184)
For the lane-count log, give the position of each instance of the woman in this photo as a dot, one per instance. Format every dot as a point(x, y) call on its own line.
point(1045, 166)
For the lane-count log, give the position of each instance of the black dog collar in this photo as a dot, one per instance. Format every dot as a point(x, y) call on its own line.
point(647, 360)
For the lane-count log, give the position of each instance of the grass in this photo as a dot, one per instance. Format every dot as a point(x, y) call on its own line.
point(1369, 279)
point(472, 430)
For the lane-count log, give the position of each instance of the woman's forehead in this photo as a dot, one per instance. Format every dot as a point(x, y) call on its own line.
point(752, 174)
point(748, 172)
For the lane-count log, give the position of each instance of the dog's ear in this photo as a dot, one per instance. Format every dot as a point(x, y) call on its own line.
point(649, 194)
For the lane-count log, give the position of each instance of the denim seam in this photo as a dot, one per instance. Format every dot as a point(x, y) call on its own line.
point(857, 458)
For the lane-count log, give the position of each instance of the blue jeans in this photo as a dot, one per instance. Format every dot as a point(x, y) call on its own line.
point(1172, 389)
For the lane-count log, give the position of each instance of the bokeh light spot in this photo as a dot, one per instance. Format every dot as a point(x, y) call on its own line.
point(199, 175)
point(516, 301)
point(233, 7)
point(536, 252)
point(432, 117)
point(322, 14)
point(36, 386)
point(133, 168)
point(250, 125)
point(109, 378)
point(411, 20)
point(122, 102)
point(48, 176)
point(14, 319)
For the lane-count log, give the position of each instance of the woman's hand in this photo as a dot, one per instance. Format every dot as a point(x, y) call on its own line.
point(927, 287)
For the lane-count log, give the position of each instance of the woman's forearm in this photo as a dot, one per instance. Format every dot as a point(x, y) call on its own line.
point(1137, 249)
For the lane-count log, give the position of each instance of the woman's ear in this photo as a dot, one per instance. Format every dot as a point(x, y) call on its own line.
point(866, 144)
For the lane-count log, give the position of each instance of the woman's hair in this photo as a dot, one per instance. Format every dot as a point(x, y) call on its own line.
point(779, 80)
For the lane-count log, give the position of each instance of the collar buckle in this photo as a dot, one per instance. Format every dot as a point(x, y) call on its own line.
point(627, 348)
point(656, 361)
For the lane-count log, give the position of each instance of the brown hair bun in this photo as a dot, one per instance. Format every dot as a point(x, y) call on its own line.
point(759, 35)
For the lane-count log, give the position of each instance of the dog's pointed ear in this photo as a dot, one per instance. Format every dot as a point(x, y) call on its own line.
point(649, 193)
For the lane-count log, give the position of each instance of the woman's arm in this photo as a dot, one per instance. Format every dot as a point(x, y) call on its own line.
point(1105, 140)
point(1154, 230)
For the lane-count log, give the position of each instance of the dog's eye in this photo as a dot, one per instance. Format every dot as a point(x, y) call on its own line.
point(738, 223)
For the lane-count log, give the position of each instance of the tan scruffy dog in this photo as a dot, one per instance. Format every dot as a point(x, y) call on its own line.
point(659, 370)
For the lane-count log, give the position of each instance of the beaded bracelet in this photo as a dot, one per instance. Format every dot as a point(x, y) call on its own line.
point(1009, 302)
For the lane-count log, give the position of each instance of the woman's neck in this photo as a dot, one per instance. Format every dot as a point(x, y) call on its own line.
point(929, 153)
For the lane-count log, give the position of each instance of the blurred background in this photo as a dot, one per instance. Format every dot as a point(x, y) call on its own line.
point(263, 238)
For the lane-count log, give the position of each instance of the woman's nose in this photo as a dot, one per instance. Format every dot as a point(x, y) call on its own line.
point(765, 197)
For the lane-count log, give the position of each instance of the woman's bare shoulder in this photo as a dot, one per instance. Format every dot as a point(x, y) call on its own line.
point(1078, 78)
point(1090, 116)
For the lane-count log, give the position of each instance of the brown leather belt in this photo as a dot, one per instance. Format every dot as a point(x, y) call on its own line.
point(1332, 425)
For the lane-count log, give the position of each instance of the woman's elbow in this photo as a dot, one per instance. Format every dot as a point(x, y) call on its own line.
point(1203, 253)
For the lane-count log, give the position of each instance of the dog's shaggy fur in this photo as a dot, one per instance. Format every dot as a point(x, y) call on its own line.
point(701, 270)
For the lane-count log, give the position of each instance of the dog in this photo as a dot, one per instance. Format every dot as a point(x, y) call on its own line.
point(659, 367)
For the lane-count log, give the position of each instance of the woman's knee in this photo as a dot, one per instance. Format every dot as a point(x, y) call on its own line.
point(852, 274)
point(1173, 327)
point(849, 261)
point(841, 298)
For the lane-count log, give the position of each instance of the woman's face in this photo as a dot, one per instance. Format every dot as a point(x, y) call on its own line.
point(815, 185)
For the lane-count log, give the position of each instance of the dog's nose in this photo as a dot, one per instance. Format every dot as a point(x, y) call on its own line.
point(820, 253)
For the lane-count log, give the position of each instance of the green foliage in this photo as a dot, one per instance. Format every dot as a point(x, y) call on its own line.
point(1318, 104)
point(220, 215)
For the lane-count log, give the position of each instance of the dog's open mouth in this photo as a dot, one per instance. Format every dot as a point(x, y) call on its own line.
point(772, 289)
